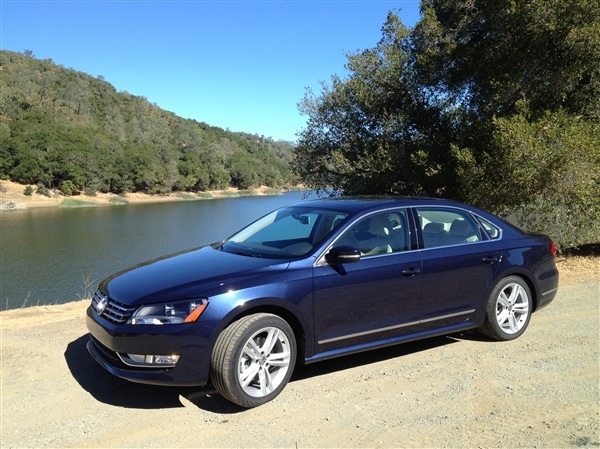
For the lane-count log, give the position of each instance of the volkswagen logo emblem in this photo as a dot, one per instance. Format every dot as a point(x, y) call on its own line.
point(101, 305)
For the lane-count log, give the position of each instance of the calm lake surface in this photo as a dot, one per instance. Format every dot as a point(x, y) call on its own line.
point(58, 255)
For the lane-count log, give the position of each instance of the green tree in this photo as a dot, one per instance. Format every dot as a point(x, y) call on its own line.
point(492, 56)
point(493, 103)
point(554, 164)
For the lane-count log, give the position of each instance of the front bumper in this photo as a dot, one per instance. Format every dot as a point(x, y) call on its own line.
point(108, 340)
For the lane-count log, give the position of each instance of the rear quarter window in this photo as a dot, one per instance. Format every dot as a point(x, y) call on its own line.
point(491, 231)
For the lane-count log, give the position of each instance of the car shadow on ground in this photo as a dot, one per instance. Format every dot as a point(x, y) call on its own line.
point(369, 357)
point(112, 390)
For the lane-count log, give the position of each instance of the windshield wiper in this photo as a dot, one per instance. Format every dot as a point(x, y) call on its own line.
point(218, 245)
point(246, 253)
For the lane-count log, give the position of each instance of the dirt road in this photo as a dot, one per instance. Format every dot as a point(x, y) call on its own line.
point(541, 390)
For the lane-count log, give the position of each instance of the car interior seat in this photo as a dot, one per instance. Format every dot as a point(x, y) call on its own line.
point(379, 228)
point(432, 234)
point(460, 231)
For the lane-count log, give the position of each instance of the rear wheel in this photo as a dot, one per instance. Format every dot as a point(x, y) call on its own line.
point(508, 310)
point(253, 359)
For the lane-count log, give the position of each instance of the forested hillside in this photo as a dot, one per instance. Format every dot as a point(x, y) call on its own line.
point(60, 128)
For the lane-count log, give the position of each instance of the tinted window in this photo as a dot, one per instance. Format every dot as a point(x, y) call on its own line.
point(378, 234)
point(447, 226)
point(492, 231)
point(290, 227)
point(287, 232)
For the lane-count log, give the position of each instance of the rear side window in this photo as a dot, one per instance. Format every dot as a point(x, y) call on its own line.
point(447, 227)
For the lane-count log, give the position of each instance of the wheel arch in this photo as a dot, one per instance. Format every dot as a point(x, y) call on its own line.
point(527, 278)
point(282, 312)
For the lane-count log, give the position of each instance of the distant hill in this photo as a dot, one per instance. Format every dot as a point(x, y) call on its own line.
point(64, 129)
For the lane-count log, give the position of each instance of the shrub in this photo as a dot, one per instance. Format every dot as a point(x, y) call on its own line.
point(41, 189)
point(68, 188)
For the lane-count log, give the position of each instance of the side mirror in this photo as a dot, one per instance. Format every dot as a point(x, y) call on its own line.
point(343, 254)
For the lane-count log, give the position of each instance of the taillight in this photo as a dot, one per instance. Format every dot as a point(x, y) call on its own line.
point(553, 249)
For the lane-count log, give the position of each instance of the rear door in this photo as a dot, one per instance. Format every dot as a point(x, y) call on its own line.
point(459, 264)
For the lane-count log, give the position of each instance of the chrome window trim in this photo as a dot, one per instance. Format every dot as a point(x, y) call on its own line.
point(473, 215)
point(320, 259)
point(412, 226)
point(500, 229)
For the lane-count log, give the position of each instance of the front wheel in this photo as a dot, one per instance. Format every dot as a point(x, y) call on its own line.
point(253, 359)
point(508, 310)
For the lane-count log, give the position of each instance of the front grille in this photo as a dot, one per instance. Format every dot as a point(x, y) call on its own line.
point(114, 311)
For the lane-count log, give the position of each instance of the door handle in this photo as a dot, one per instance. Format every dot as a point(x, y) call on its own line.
point(410, 271)
point(490, 259)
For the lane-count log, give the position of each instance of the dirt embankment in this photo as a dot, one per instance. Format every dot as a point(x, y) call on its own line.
point(12, 196)
point(541, 390)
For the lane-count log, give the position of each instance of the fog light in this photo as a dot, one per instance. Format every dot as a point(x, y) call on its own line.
point(166, 359)
point(150, 360)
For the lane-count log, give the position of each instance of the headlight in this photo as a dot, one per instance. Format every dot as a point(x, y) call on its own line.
point(170, 312)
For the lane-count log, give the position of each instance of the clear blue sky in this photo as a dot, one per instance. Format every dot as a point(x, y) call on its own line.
point(239, 65)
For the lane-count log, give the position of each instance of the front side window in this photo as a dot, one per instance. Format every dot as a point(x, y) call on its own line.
point(446, 227)
point(379, 233)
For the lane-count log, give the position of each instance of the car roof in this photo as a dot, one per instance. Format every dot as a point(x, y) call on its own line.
point(357, 204)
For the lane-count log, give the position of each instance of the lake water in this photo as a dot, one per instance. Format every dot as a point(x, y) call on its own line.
point(57, 255)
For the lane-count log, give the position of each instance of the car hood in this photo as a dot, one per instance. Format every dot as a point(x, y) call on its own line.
point(190, 274)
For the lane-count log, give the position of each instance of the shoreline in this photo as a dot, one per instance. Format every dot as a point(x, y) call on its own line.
point(12, 197)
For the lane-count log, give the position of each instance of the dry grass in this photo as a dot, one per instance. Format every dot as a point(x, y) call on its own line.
point(579, 268)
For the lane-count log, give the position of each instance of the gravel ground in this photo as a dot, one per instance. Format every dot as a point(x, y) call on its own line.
point(541, 390)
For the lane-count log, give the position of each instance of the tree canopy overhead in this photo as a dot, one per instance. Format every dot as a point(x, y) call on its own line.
point(64, 129)
point(491, 102)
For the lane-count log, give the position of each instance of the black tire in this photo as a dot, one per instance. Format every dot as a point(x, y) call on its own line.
point(253, 359)
point(508, 309)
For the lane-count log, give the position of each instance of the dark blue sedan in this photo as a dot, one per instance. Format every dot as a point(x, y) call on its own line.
point(317, 280)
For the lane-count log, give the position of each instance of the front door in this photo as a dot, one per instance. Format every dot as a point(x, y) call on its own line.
point(364, 303)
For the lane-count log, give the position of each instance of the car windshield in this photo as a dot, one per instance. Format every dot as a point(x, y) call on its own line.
point(286, 233)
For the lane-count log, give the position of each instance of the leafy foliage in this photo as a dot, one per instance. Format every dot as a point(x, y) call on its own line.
point(496, 103)
point(67, 130)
